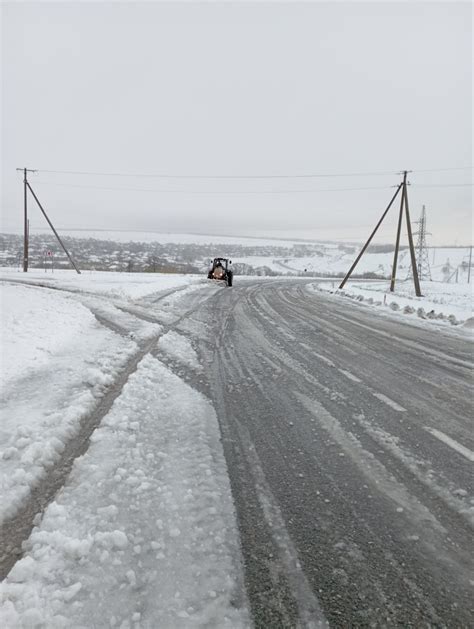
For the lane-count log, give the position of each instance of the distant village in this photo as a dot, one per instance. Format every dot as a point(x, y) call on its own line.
point(133, 257)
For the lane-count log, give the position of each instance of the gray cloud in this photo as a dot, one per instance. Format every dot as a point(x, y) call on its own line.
point(289, 88)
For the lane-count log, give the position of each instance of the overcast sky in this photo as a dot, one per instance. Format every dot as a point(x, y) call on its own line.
point(237, 89)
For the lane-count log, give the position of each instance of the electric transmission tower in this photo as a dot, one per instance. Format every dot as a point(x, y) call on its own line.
point(422, 260)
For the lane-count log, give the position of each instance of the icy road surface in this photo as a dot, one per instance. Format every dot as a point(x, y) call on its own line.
point(349, 443)
point(346, 437)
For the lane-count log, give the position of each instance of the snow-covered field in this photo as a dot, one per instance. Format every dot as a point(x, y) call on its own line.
point(143, 533)
point(166, 238)
point(445, 263)
point(441, 302)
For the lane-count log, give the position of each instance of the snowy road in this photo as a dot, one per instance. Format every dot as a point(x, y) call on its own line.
point(346, 438)
point(349, 444)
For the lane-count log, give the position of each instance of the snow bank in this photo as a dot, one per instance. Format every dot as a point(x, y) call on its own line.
point(441, 302)
point(144, 533)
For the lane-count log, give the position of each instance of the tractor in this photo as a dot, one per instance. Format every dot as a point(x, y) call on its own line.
point(220, 271)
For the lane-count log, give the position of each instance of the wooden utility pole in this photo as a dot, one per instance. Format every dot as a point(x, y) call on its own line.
point(414, 266)
point(26, 239)
point(399, 231)
point(469, 267)
point(25, 226)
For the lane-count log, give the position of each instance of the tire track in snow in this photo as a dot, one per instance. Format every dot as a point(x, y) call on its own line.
point(17, 528)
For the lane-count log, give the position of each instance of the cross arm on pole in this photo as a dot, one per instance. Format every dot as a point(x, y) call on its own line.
point(27, 170)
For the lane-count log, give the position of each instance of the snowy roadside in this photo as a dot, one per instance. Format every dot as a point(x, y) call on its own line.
point(440, 303)
point(57, 361)
point(105, 283)
point(61, 352)
point(143, 534)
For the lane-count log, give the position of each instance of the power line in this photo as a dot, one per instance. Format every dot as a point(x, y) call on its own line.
point(298, 191)
point(438, 170)
point(273, 176)
point(168, 176)
point(218, 192)
point(443, 185)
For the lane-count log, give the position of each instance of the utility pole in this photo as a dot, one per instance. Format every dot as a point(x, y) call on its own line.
point(416, 280)
point(399, 231)
point(469, 267)
point(25, 226)
point(26, 239)
point(403, 205)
